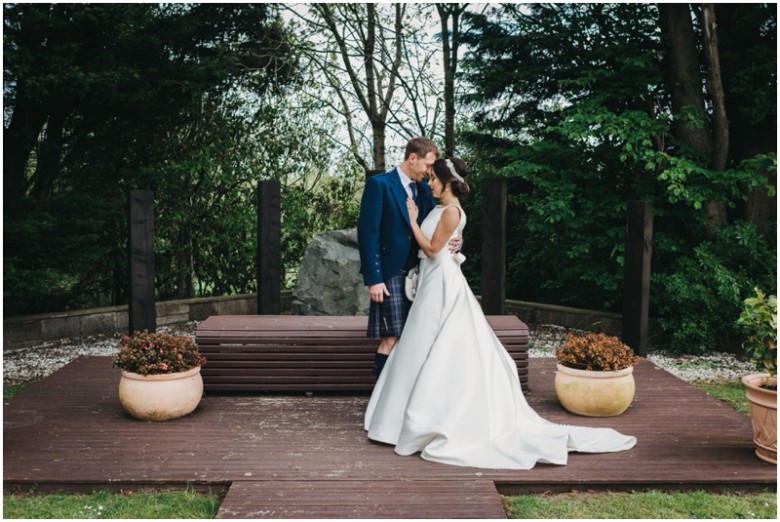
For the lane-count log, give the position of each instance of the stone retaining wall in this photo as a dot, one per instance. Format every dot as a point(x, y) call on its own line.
point(32, 329)
point(591, 320)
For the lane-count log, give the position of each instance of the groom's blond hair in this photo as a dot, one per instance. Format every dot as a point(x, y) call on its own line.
point(420, 146)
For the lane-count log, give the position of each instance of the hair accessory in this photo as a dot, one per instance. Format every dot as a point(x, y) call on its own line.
point(453, 171)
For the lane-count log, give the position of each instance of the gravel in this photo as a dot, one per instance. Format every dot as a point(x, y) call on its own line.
point(26, 365)
point(32, 363)
point(714, 366)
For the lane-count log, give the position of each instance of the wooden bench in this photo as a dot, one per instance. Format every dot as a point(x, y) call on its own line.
point(310, 353)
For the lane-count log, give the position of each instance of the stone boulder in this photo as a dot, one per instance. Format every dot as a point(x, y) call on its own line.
point(329, 281)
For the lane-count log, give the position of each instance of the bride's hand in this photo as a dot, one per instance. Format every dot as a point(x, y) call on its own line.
point(412, 208)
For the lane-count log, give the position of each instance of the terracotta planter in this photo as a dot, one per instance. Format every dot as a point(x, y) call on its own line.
point(160, 397)
point(593, 393)
point(763, 415)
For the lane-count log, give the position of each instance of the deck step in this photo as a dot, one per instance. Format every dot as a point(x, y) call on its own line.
point(362, 499)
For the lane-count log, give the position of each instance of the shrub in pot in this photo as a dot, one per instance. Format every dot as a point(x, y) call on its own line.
point(758, 321)
point(595, 375)
point(160, 375)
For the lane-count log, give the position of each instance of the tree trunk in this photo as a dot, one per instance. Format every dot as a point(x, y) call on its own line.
point(684, 78)
point(378, 131)
point(715, 89)
point(747, 137)
point(185, 288)
point(373, 90)
point(716, 212)
point(450, 40)
point(373, 95)
point(687, 94)
point(49, 159)
point(19, 139)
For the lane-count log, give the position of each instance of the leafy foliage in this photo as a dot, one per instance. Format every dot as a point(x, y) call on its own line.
point(147, 353)
point(62, 255)
point(699, 293)
point(759, 322)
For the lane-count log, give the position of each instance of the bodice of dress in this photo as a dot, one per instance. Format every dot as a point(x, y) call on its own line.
point(431, 221)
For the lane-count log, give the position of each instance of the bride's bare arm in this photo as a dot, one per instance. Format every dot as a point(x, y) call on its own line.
point(441, 236)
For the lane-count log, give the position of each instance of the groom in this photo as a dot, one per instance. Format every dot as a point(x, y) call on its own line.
point(386, 243)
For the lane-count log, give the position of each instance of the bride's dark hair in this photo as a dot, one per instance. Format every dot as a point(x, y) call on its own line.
point(459, 187)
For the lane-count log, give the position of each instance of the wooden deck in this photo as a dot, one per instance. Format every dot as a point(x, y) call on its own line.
point(299, 456)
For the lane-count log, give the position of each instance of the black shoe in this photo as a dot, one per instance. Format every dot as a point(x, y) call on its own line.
point(379, 362)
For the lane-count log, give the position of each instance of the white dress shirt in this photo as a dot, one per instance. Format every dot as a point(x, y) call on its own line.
point(405, 180)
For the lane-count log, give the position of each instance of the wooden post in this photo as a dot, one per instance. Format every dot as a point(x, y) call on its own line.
point(636, 278)
point(493, 246)
point(142, 308)
point(269, 248)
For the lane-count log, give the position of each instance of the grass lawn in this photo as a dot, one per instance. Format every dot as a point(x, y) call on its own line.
point(578, 505)
point(101, 504)
point(649, 504)
point(730, 392)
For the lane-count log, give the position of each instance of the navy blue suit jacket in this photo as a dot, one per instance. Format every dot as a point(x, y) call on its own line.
point(384, 229)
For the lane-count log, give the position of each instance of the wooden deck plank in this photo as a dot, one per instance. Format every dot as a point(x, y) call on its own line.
point(367, 499)
point(69, 430)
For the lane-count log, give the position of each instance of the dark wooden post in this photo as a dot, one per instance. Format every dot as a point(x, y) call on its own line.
point(142, 309)
point(269, 248)
point(370, 173)
point(636, 278)
point(493, 246)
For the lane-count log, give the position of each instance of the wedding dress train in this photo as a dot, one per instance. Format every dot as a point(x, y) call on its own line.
point(450, 390)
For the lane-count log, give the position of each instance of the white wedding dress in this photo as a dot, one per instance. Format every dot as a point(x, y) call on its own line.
point(450, 390)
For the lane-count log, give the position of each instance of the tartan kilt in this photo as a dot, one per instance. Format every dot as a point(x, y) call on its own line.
point(387, 319)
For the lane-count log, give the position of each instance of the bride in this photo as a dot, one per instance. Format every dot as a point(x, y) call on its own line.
point(449, 389)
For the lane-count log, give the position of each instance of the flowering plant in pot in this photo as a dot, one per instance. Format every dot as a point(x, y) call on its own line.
point(147, 353)
point(595, 352)
point(758, 320)
point(595, 375)
point(160, 375)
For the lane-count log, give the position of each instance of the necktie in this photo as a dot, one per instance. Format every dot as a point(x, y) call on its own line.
point(413, 186)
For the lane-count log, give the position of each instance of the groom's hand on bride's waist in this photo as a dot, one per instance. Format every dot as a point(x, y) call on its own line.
point(455, 244)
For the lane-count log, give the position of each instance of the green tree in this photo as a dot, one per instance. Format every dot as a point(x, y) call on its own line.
point(573, 103)
point(93, 93)
point(85, 76)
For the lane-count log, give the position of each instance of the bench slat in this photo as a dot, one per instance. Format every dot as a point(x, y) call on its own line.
point(296, 376)
point(310, 353)
point(291, 348)
point(224, 360)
